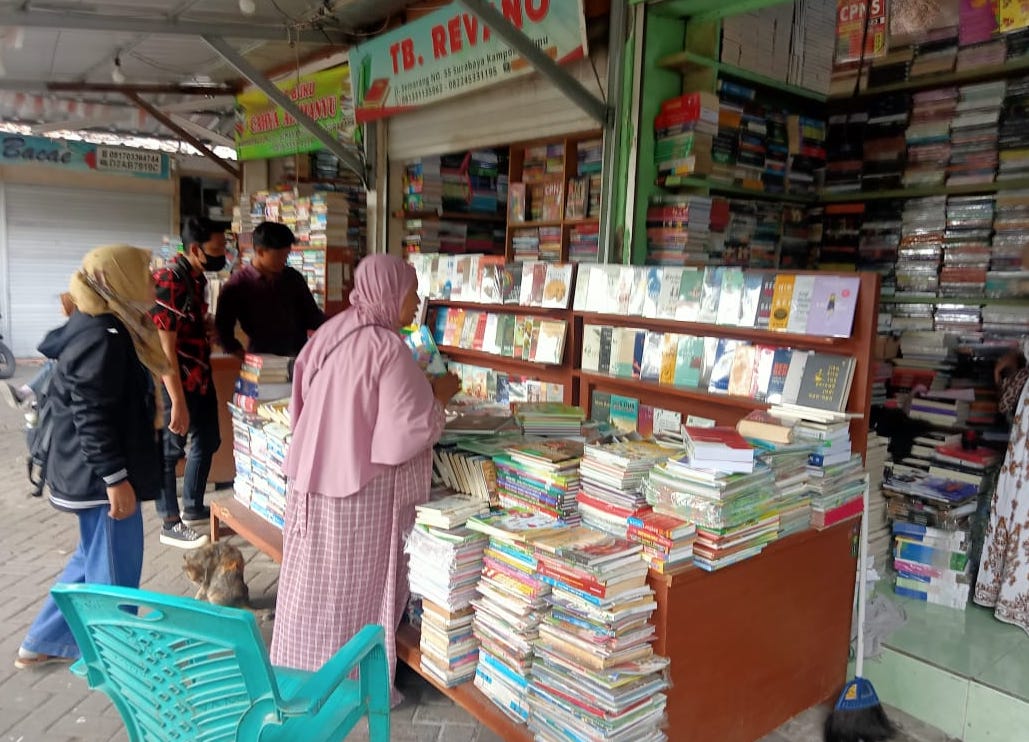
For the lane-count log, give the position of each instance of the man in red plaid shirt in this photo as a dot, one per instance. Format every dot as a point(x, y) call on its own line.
point(190, 404)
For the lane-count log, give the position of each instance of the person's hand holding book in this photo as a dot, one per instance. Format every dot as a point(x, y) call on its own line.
point(445, 387)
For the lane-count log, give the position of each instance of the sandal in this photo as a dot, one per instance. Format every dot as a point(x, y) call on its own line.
point(27, 659)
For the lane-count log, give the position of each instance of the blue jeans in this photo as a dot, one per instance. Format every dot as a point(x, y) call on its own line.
point(204, 439)
point(36, 382)
point(110, 552)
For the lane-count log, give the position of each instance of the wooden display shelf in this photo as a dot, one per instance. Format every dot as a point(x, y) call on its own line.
point(505, 308)
point(760, 641)
point(687, 61)
point(517, 366)
point(702, 329)
point(466, 695)
point(536, 224)
point(229, 515)
point(452, 216)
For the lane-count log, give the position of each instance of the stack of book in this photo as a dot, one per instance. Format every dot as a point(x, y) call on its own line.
point(928, 136)
point(549, 419)
point(967, 251)
point(974, 131)
point(589, 164)
point(445, 567)
point(836, 478)
point(611, 475)
point(541, 476)
point(678, 229)
point(880, 240)
point(879, 536)
point(465, 464)
point(1011, 215)
point(932, 564)
point(1013, 141)
point(584, 243)
point(684, 129)
point(667, 541)
point(775, 446)
point(731, 502)
point(844, 142)
point(423, 185)
point(510, 605)
point(885, 148)
point(260, 435)
point(923, 233)
point(595, 674)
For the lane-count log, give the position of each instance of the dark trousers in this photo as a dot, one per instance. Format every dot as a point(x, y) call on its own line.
point(204, 439)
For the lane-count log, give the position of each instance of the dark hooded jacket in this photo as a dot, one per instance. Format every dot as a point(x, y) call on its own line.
point(103, 410)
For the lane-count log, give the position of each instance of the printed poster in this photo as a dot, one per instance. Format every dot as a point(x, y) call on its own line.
point(264, 129)
point(450, 51)
point(978, 21)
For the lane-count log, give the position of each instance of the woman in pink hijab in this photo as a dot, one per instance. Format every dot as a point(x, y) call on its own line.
point(365, 418)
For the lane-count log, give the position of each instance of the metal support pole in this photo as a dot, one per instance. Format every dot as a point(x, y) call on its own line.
point(546, 66)
point(346, 154)
point(187, 136)
point(613, 130)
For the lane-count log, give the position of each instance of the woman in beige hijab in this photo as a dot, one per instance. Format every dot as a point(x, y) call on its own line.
point(103, 455)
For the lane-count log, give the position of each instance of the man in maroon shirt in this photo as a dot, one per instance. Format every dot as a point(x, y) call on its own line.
point(269, 300)
point(190, 404)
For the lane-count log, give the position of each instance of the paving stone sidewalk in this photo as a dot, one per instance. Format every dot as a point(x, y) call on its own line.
point(50, 705)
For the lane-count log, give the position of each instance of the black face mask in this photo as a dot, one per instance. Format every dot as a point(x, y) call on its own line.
point(213, 263)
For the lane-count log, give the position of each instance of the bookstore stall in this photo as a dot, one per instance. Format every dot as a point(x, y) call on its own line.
point(646, 502)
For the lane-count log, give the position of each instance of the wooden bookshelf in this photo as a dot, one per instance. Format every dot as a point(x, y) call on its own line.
point(229, 515)
point(569, 171)
point(453, 216)
point(505, 308)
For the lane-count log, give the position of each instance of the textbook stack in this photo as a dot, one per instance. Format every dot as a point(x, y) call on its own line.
point(717, 486)
point(775, 446)
point(667, 541)
point(261, 434)
point(445, 565)
point(594, 674)
point(550, 419)
point(541, 476)
point(611, 476)
point(836, 478)
point(932, 564)
point(510, 605)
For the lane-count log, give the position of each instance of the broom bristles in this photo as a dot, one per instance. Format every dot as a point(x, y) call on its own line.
point(859, 725)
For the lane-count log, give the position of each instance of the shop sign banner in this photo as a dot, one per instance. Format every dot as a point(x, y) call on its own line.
point(16, 149)
point(450, 51)
point(263, 129)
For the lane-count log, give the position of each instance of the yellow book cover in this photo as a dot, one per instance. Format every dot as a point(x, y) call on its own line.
point(1013, 15)
point(669, 349)
point(782, 296)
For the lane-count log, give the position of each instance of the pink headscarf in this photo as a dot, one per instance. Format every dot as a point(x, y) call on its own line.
point(360, 402)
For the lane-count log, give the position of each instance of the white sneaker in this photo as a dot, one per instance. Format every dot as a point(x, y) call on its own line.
point(182, 536)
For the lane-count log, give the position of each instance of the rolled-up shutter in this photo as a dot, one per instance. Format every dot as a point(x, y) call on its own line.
point(49, 230)
point(528, 108)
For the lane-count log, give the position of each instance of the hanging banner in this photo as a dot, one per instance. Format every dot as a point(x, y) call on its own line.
point(66, 154)
point(449, 52)
point(264, 129)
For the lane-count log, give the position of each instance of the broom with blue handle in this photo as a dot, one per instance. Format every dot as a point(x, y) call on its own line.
point(859, 716)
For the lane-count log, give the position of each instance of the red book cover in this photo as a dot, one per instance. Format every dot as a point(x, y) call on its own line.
point(480, 332)
point(664, 525)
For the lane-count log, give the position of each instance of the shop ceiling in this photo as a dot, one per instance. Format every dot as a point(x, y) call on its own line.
point(68, 64)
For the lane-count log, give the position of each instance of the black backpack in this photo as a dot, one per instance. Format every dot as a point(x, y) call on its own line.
point(39, 435)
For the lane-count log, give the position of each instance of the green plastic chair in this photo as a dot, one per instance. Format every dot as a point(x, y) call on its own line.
point(179, 669)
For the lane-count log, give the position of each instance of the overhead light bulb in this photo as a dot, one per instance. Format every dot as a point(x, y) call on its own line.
point(247, 7)
point(116, 74)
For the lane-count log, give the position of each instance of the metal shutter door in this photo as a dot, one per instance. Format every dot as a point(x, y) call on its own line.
point(49, 230)
point(521, 110)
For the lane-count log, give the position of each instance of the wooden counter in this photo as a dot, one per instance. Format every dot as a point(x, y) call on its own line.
point(751, 645)
point(761, 641)
point(223, 466)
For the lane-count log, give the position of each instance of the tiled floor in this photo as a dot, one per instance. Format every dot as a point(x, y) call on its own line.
point(964, 671)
